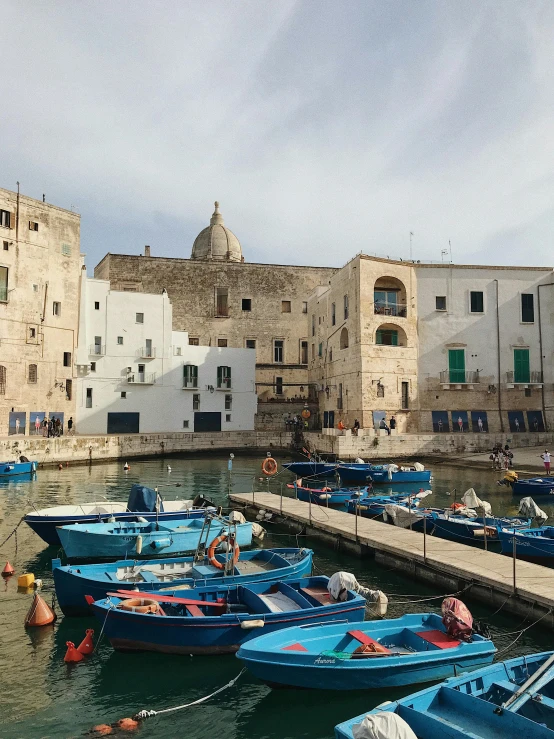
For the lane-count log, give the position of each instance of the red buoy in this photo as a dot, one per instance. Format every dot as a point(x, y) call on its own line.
point(127, 724)
point(87, 645)
point(102, 730)
point(72, 655)
point(8, 570)
point(40, 613)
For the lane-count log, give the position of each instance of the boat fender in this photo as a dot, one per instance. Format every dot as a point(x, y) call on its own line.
point(254, 624)
point(160, 543)
point(141, 519)
point(325, 496)
point(138, 544)
point(139, 605)
point(259, 517)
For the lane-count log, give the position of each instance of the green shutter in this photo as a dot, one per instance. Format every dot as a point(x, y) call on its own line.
point(219, 375)
point(521, 365)
point(456, 365)
point(228, 377)
point(394, 338)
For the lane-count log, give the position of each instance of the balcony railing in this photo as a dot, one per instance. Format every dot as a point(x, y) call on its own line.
point(459, 377)
point(532, 378)
point(142, 378)
point(97, 350)
point(398, 310)
point(147, 352)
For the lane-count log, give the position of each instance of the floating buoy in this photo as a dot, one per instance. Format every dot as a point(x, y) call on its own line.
point(87, 645)
point(25, 580)
point(126, 466)
point(102, 730)
point(40, 613)
point(37, 584)
point(127, 724)
point(8, 570)
point(72, 654)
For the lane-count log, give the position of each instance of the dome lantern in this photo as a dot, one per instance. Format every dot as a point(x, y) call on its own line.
point(217, 242)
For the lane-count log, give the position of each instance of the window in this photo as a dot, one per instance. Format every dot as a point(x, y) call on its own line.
point(388, 337)
point(278, 351)
point(224, 377)
point(6, 219)
point(278, 386)
point(304, 307)
point(345, 307)
point(339, 397)
point(247, 304)
point(35, 288)
point(3, 377)
point(476, 302)
point(522, 372)
point(320, 349)
point(250, 343)
point(195, 402)
point(33, 226)
point(69, 389)
point(527, 392)
point(32, 377)
point(6, 245)
point(313, 325)
point(194, 341)
point(344, 338)
point(227, 417)
point(66, 250)
point(386, 303)
point(527, 308)
point(177, 351)
point(185, 424)
point(222, 342)
point(457, 365)
point(221, 301)
point(333, 314)
point(285, 306)
point(139, 317)
point(148, 349)
point(303, 352)
point(56, 308)
point(123, 393)
point(141, 370)
point(405, 396)
point(96, 305)
point(88, 403)
point(313, 352)
point(67, 359)
point(190, 375)
point(330, 355)
point(4, 284)
point(120, 340)
point(228, 402)
point(97, 345)
point(440, 302)
point(32, 333)
point(93, 366)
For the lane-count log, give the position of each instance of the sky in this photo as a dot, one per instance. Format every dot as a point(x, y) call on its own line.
point(324, 128)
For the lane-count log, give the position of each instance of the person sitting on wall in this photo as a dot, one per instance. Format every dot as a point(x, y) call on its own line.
point(383, 425)
point(356, 427)
point(341, 426)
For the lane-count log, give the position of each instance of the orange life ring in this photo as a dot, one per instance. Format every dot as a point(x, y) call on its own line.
point(139, 605)
point(213, 546)
point(269, 466)
point(306, 414)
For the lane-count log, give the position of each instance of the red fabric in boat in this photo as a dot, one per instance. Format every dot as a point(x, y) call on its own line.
point(297, 647)
point(365, 639)
point(438, 638)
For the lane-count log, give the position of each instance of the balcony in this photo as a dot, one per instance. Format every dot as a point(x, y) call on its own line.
point(523, 380)
point(458, 379)
point(97, 350)
point(146, 352)
point(399, 310)
point(141, 378)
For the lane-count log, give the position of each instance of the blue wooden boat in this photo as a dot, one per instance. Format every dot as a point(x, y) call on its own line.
point(207, 626)
point(373, 654)
point(312, 468)
point(121, 539)
point(506, 700)
point(325, 496)
point(533, 545)
point(13, 468)
point(455, 527)
point(533, 486)
point(258, 565)
point(362, 474)
point(374, 505)
point(143, 501)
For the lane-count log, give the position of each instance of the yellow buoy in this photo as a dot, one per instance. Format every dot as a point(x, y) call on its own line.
point(25, 580)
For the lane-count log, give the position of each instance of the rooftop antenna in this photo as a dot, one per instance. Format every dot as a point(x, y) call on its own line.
point(444, 252)
point(450, 247)
point(411, 237)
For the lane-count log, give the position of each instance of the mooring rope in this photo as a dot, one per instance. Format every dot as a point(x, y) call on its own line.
point(12, 533)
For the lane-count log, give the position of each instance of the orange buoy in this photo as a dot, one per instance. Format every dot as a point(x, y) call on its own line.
point(72, 655)
point(40, 613)
point(87, 645)
point(8, 570)
point(127, 724)
point(102, 730)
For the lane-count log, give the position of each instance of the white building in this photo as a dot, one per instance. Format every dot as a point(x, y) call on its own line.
point(137, 375)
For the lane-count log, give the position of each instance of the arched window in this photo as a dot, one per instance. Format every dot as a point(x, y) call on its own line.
point(3, 376)
point(344, 338)
point(32, 374)
point(389, 334)
point(390, 297)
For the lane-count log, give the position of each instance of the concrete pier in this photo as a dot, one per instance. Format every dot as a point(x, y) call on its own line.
point(488, 576)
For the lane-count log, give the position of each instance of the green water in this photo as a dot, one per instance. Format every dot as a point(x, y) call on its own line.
point(40, 696)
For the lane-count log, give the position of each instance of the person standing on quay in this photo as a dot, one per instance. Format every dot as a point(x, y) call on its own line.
point(546, 459)
point(70, 426)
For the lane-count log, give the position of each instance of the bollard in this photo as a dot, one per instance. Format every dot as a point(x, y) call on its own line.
point(514, 542)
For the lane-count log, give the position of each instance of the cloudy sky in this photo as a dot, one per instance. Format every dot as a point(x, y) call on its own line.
point(324, 128)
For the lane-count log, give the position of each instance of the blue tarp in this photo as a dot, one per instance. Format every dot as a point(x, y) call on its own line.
point(143, 499)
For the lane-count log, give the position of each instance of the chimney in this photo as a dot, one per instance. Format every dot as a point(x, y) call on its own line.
point(146, 251)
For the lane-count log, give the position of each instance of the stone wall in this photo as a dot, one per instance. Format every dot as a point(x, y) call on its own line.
point(271, 416)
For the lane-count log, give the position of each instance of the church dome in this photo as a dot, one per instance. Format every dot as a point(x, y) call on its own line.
point(217, 242)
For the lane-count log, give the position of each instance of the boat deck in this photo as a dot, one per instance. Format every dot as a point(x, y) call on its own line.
point(491, 573)
point(251, 566)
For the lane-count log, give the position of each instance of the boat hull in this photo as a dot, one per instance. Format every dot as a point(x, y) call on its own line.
point(529, 545)
point(323, 497)
point(366, 473)
point(14, 469)
point(534, 486)
point(74, 583)
point(309, 469)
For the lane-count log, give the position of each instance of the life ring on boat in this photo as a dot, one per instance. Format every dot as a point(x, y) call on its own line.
point(139, 605)
point(215, 543)
point(269, 466)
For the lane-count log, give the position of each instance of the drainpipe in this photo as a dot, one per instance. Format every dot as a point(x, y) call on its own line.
point(543, 404)
point(498, 360)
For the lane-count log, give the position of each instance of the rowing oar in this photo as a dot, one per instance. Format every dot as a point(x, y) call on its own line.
point(219, 603)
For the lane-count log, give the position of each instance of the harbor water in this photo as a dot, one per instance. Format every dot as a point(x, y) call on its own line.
point(41, 696)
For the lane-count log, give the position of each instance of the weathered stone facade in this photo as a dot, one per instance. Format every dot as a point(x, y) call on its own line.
point(40, 272)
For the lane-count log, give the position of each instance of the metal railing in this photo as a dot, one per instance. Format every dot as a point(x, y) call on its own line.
point(533, 378)
point(399, 310)
point(146, 353)
point(97, 350)
point(459, 377)
point(142, 378)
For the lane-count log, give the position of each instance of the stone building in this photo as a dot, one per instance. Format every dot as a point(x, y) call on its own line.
point(223, 301)
point(40, 272)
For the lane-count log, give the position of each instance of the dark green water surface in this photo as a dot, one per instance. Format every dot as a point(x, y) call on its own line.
point(40, 696)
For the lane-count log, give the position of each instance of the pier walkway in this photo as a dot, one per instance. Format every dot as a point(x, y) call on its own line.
point(438, 561)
